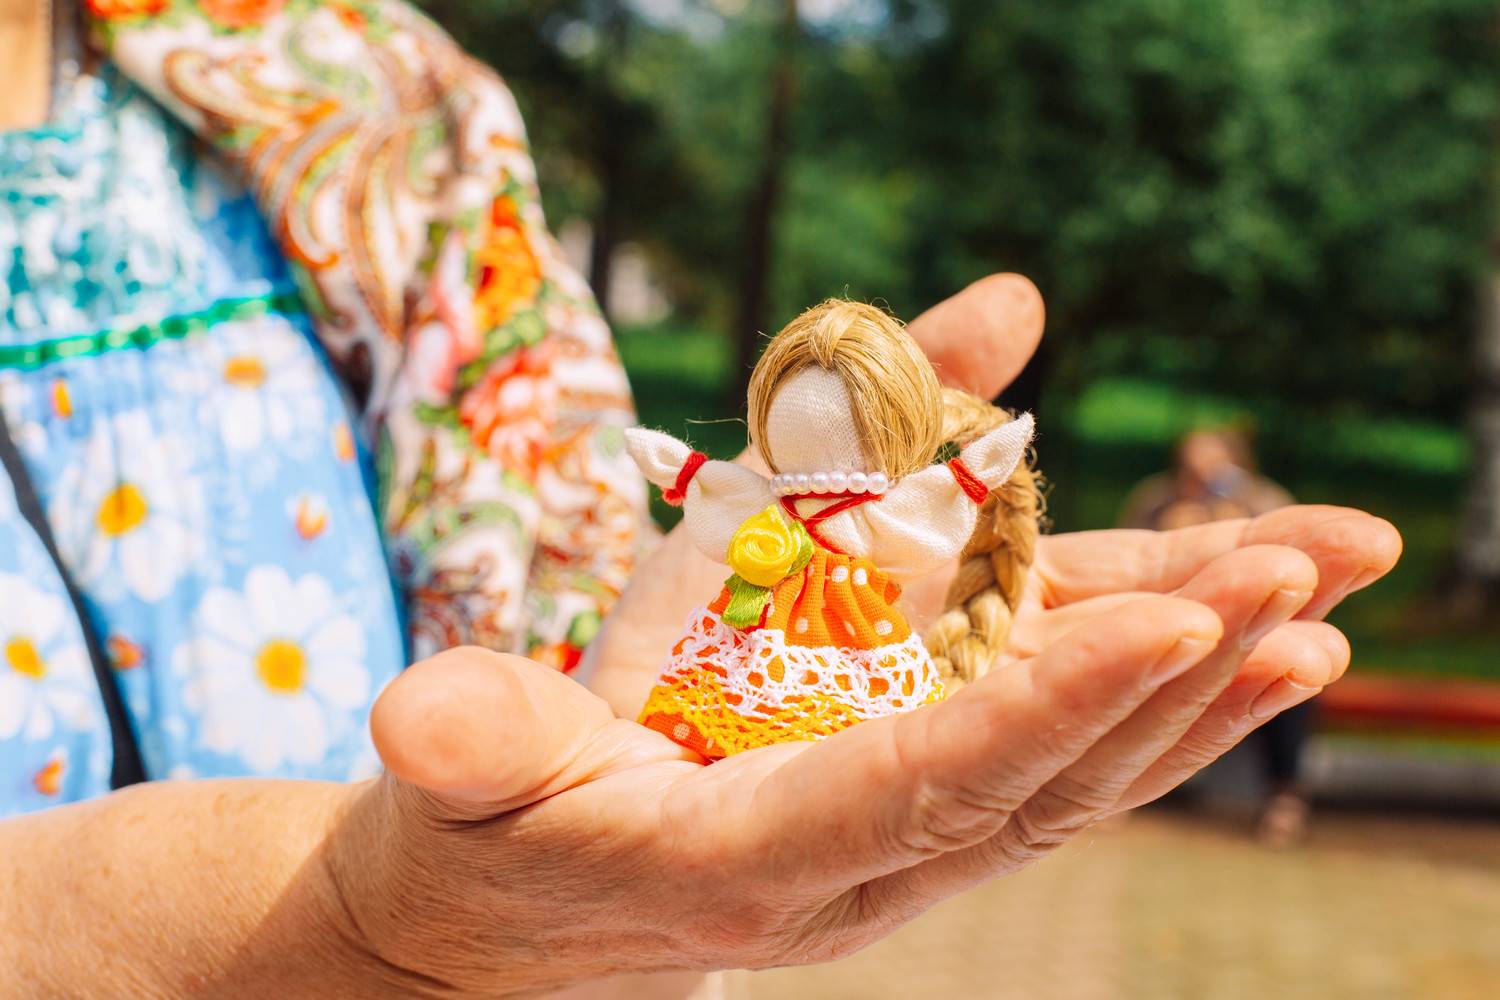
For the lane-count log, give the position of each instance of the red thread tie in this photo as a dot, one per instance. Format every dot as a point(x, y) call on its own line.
point(811, 521)
point(678, 492)
point(968, 482)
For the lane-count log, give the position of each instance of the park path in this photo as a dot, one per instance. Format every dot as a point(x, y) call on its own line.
point(1168, 905)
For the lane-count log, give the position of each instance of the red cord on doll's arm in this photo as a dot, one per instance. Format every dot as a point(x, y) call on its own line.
point(678, 492)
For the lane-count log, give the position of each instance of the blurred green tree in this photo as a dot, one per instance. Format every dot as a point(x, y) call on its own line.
point(1287, 200)
point(1250, 194)
point(1475, 591)
point(599, 138)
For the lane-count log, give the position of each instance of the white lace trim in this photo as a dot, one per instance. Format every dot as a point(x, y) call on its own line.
point(870, 682)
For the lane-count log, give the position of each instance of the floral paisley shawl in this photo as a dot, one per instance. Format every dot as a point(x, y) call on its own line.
point(394, 171)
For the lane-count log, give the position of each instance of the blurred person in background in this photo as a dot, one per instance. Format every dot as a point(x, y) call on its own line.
point(247, 241)
point(1214, 478)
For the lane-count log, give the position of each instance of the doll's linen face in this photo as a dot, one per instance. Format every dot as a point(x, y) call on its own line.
point(810, 426)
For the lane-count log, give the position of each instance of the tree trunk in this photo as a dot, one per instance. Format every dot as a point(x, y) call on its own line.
point(1478, 558)
point(606, 233)
point(610, 155)
point(760, 228)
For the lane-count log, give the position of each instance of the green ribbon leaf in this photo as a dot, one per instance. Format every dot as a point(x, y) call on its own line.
point(804, 548)
point(746, 602)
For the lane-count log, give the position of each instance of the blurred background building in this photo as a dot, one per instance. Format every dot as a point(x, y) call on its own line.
point(1276, 216)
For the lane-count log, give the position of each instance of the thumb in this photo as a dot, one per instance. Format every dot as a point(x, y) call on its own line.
point(981, 338)
point(485, 733)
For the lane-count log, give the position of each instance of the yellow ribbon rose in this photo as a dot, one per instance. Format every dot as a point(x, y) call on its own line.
point(766, 549)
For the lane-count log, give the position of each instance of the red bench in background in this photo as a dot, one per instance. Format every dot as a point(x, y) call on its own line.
point(1366, 701)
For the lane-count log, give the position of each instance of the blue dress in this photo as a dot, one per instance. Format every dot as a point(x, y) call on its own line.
point(195, 465)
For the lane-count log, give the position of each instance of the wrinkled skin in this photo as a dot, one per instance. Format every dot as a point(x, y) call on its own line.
point(527, 835)
point(528, 822)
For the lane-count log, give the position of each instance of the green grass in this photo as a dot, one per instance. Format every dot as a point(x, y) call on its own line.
point(1094, 448)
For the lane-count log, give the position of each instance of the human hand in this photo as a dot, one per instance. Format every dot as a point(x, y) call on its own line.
point(524, 837)
point(1081, 575)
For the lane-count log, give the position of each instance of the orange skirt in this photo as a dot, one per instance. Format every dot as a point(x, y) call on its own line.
point(830, 650)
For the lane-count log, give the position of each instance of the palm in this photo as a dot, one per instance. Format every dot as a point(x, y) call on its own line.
point(1134, 659)
point(1112, 693)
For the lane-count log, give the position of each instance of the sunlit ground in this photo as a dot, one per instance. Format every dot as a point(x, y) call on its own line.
point(1174, 905)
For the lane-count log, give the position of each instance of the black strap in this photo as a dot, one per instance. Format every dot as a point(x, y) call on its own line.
point(128, 769)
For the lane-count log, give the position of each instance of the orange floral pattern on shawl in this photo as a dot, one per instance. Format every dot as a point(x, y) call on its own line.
point(394, 172)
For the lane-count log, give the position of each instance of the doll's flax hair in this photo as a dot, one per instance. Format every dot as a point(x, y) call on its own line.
point(893, 387)
point(903, 416)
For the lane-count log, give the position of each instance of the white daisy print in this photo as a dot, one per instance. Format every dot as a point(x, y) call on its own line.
point(275, 671)
point(46, 681)
point(129, 505)
point(269, 385)
point(16, 400)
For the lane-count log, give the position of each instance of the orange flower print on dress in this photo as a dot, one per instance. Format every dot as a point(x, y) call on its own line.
point(420, 243)
point(241, 13)
point(562, 656)
point(351, 16)
point(309, 516)
point(48, 781)
point(111, 10)
point(62, 400)
point(508, 273)
point(124, 654)
point(343, 442)
point(509, 412)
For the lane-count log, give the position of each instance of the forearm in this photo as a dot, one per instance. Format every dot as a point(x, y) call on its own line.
point(177, 888)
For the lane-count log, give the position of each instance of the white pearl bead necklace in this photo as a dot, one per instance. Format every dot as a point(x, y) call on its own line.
point(802, 483)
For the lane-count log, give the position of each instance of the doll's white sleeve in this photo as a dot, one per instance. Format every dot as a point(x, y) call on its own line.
point(991, 459)
point(716, 500)
point(927, 518)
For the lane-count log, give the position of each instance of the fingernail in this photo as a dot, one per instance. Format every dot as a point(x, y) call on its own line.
point(1188, 652)
point(1279, 697)
point(1278, 609)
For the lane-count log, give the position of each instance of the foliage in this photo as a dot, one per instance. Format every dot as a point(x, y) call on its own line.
point(1273, 209)
point(1240, 193)
point(1245, 193)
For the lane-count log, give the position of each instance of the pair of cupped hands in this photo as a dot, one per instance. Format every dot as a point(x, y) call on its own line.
point(528, 834)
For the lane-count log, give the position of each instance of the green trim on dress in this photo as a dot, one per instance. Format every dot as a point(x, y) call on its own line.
point(38, 355)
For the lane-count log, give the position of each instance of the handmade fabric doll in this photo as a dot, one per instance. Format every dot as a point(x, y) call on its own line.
point(806, 639)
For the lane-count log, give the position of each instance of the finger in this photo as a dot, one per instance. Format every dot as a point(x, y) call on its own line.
point(1289, 667)
point(1032, 633)
point(1351, 548)
point(981, 338)
point(1252, 591)
point(485, 733)
point(892, 792)
point(1035, 632)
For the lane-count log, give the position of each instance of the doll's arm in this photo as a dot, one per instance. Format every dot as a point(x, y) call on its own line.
point(991, 459)
point(719, 499)
point(927, 518)
point(716, 497)
point(660, 456)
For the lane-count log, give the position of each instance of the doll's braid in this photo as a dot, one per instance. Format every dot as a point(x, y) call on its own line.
point(967, 639)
